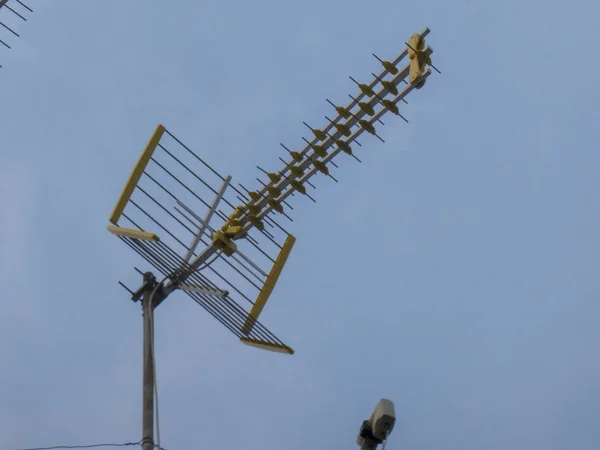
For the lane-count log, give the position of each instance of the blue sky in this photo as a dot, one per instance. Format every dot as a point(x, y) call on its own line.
point(454, 271)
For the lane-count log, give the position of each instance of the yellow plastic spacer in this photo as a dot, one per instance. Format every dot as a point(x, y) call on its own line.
point(136, 174)
point(279, 348)
point(133, 234)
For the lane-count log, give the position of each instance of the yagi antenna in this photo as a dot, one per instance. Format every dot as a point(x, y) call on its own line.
point(184, 218)
point(224, 246)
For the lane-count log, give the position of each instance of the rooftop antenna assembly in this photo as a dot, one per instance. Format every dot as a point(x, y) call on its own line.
point(222, 246)
point(11, 13)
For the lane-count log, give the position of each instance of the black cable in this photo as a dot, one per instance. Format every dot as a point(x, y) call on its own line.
point(126, 444)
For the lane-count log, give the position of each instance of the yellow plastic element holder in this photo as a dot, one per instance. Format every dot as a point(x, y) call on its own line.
point(367, 126)
point(321, 167)
point(319, 150)
point(343, 129)
point(390, 67)
point(275, 205)
point(133, 234)
point(232, 226)
point(136, 174)
point(257, 223)
point(343, 112)
point(232, 230)
point(344, 146)
point(297, 156)
point(368, 109)
point(224, 243)
point(390, 87)
point(391, 106)
point(267, 346)
point(320, 135)
point(273, 191)
point(298, 186)
point(420, 57)
point(366, 90)
point(269, 285)
point(296, 171)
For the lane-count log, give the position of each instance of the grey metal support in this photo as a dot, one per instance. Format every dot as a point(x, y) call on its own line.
point(206, 220)
point(148, 361)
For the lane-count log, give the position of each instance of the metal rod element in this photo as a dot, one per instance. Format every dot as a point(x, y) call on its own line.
point(349, 112)
point(267, 173)
point(224, 310)
point(188, 169)
point(404, 100)
point(357, 122)
point(196, 156)
point(176, 179)
point(194, 174)
point(148, 377)
point(307, 182)
point(202, 290)
point(196, 216)
point(126, 288)
point(249, 261)
point(207, 218)
point(435, 68)
point(166, 210)
point(381, 61)
point(268, 220)
point(284, 202)
point(9, 29)
point(4, 43)
point(307, 194)
point(10, 9)
point(375, 93)
point(185, 216)
point(24, 5)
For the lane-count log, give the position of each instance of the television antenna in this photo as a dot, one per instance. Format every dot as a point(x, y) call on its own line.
point(159, 214)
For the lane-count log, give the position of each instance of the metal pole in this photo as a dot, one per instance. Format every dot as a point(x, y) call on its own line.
point(148, 392)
